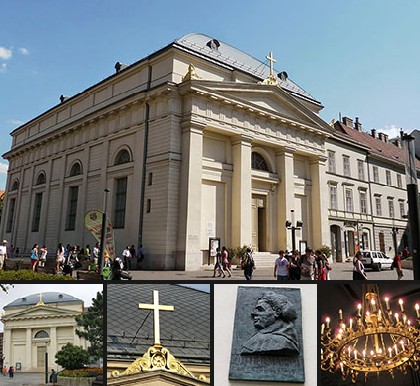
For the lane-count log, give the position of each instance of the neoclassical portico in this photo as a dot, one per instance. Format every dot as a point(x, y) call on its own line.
point(37, 325)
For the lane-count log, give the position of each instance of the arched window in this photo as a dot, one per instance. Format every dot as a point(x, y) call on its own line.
point(41, 335)
point(122, 157)
point(41, 179)
point(258, 162)
point(75, 170)
point(15, 185)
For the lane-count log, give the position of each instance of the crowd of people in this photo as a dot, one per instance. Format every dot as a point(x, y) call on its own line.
point(70, 257)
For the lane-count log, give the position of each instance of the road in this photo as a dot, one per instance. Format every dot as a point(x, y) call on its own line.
point(340, 271)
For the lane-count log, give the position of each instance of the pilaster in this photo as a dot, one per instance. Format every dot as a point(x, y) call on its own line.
point(241, 191)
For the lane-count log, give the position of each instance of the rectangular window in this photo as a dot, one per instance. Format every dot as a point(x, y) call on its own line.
point(333, 197)
point(346, 165)
point(399, 181)
point(349, 200)
point(402, 209)
point(149, 205)
point(11, 215)
point(378, 206)
point(72, 208)
point(391, 208)
point(37, 212)
point(150, 179)
point(363, 202)
point(375, 174)
point(361, 170)
point(388, 178)
point(120, 202)
point(331, 161)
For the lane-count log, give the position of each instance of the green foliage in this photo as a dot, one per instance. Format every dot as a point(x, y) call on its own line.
point(326, 250)
point(92, 327)
point(82, 373)
point(27, 274)
point(238, 252)
point(72, 357)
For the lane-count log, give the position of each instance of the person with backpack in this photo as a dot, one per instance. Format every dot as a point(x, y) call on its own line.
point(248, 264)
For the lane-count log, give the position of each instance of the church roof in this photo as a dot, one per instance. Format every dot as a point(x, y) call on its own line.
point(225, 54)
point(184, 331)
point(47, 298)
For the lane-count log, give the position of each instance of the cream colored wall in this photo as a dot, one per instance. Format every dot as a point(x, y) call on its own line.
point(224, 311)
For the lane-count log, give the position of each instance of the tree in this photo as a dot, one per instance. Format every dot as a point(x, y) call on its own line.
point(72, 357)
point(92, 327)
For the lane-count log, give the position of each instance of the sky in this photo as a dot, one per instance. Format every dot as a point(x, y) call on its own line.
point(358, 58)
point(85, 292)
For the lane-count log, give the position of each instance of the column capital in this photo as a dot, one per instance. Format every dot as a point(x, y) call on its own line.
point(285, 150)
point(195, 127)
point(318, 159)
point(242, 139)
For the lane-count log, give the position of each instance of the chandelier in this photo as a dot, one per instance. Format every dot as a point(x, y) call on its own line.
point(376, 340)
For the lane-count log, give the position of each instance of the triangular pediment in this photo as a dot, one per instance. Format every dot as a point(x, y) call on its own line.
point(266, 99)
point(38, 311)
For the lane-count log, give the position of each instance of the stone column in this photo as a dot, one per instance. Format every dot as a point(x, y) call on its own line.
point(241, 191)
point(27, 365)
point(285, 196)
point(7, 347)
point(53, 344)
point(189, 256)
point(319, 202)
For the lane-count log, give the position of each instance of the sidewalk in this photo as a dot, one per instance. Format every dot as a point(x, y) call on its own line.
point(340, 271)
point(23, 379)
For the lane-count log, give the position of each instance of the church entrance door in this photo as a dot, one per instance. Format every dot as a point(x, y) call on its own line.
point(259, 223)
point(40, 356)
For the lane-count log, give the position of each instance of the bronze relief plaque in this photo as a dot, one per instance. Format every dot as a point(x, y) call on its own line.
point(267, 337)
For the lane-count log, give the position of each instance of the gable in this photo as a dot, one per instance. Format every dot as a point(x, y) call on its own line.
point(38, 312)
point(265, 100)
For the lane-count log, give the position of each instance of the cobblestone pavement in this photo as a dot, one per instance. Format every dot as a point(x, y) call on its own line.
point(23, 379)
point(340, 271)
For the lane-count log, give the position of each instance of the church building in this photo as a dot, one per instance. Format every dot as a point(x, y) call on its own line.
point(37, 325)
point(198, 140)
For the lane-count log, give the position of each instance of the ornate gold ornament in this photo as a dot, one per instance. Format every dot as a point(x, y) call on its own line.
point(191, 73)
point(375, 341)
point(41, 302)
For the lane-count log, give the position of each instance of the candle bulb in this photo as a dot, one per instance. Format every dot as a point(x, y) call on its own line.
point(359, 307)
point(396, 349)
point(404, 319)
point(396, 317)
point(390, 352)
point(373, 305)
point(322, 328)
point(387, 304)
point(327, 320)
point(351, 323)
point(341, 366)
point(364, 353)
point(417, 307)
point(401, 305)
point(355, 354)
point(340, 314)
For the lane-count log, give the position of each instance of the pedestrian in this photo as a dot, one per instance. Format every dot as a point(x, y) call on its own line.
point(225, 261)
point(248, 264)
point(34, 257)
point(405, 252)
point(4, 370)
point(133, 253)
point(43, 256)
point(11, 371)
point(321, 266)
point(281, 267)
point(11, 252)
point(127, 257)
point(308, 266)
point(294, 268)
point(398, 265)
point(359, 268)
point(218, 265)
point(3, 254)
point(59, 258)
point(94, 257)
point(140, 254)
point(53, 377)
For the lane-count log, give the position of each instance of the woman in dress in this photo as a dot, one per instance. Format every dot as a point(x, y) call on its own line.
point(34, 257)
point(358, 268)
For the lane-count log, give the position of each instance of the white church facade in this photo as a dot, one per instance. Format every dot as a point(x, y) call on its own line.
point(37, 325)
point(196, 141)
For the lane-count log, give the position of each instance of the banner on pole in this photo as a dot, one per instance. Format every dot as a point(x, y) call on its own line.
point(93, 223)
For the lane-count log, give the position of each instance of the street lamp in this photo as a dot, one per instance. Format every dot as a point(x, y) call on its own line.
point(394, 239)
point(413, 199)
point(290, 225)
point(103, 232)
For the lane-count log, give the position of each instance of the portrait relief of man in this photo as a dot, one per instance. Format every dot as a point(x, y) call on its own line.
point(273, 318)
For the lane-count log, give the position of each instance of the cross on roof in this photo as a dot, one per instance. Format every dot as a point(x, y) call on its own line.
point(156, 307)
point(272, 61)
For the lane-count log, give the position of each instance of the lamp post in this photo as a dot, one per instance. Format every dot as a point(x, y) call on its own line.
point(394, 239)
point(291, 225)
point(413, 199)
point(103, 232)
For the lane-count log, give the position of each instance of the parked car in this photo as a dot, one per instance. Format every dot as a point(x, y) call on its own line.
point(376, 260)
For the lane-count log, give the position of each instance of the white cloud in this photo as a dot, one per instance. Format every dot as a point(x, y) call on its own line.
point(15, 122)
point(3, 168)
point(5, 53)
point(3, 67)
point(24, 51)
point(391, 130)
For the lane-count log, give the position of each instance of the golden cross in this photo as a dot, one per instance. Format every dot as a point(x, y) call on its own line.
point(272, 61)
point(40, 303)
point(156, 307)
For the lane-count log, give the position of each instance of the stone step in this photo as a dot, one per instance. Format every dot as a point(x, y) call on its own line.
point(264, 259)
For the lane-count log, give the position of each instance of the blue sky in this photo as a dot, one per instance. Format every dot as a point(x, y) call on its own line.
point(360, 58)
